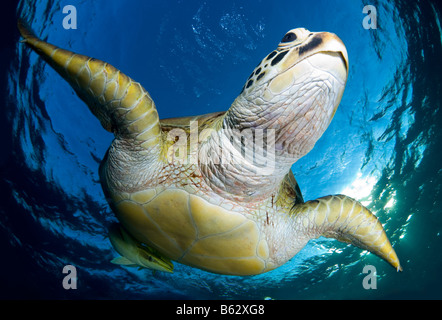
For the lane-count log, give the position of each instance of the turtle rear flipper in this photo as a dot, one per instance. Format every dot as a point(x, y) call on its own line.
point(134, 253)
point(122, 105)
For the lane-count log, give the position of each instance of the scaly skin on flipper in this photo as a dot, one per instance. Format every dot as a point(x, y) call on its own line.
point(345, 219)
point(134, 253)
point(239, 217)
point(122, 105)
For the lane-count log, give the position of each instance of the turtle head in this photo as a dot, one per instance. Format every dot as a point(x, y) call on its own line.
point(301, 58)
point(295, 90)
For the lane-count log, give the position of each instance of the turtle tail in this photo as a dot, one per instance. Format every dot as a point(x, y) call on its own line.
point(346, 220)
point(122, 105)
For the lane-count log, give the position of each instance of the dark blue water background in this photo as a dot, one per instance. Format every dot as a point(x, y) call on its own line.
point(383, 147)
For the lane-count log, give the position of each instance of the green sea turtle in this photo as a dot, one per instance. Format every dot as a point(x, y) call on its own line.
point(216, 191)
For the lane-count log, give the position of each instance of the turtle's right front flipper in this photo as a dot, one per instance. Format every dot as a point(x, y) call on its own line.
point(344, 219)
point(122, 105)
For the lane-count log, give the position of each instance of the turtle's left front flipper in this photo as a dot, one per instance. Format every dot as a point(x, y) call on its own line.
point(347, 220)
point(122, 105)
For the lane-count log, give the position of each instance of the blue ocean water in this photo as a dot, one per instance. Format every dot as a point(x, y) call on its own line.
point(384, 146)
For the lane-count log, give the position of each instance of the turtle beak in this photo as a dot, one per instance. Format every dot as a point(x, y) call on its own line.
point(335, 56)
point(325, 51)
point(331, 56)
point(334, 45)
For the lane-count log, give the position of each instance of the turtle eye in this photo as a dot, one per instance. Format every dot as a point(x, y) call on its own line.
point(289, 37)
